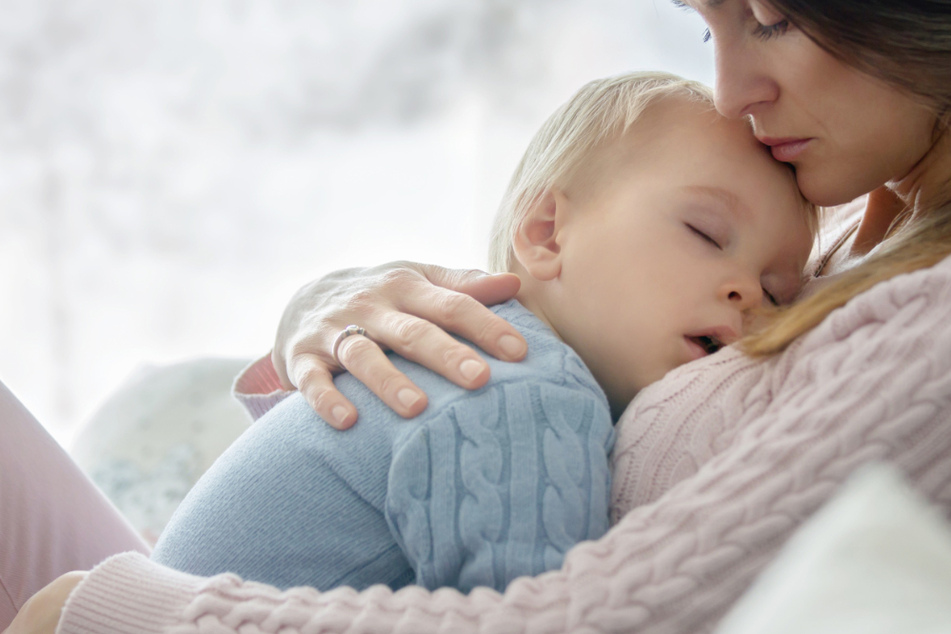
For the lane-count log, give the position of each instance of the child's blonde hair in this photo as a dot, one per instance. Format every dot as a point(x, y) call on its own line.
point(601, 111)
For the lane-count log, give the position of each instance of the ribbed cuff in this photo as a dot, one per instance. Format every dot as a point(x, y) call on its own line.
point(128, 594)
point(258, 388)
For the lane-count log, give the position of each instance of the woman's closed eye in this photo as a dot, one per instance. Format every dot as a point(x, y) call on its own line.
point(765, 31)
point(770, 297)
point(768, 22)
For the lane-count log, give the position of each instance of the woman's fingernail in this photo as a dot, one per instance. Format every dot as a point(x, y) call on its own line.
point(408, 397)
point(340, 414)
point(471, 369)
point(511, 346)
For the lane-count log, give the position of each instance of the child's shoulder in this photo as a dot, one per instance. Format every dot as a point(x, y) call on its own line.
point(549, 359)
point(547, 354)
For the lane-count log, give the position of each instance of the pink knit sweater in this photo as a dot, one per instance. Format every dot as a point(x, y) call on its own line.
point(715, 466)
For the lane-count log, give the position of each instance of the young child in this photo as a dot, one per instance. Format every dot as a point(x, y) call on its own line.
point(647, 231)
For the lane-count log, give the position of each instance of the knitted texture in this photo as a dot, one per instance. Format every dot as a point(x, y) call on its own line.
point(503, 485)
point(258, 388)
point(483, 487)
point(715, 466)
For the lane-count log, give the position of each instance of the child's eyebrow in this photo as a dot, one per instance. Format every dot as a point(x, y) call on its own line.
point(724, 196)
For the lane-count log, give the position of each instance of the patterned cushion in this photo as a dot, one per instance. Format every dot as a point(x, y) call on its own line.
point(158, 433)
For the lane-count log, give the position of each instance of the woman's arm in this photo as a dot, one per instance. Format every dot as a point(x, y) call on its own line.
point(873, 382)
point(405, 307)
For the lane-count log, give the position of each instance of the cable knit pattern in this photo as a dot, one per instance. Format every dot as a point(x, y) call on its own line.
point(715, 466)
point(503, 486)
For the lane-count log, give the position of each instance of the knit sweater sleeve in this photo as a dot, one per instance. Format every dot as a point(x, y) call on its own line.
point(258, 387)
point(872, 382)
point(501, 484)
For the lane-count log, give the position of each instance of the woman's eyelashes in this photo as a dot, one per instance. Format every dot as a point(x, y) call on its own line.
point(765, 32)
point(770, 297)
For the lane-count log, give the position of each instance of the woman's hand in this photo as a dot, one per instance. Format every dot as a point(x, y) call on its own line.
point(40, 615)
point(405, 307)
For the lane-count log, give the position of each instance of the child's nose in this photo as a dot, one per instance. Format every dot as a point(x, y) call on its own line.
point(743, 292)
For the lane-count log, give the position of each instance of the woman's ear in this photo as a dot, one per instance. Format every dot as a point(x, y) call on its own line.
point(536, 240)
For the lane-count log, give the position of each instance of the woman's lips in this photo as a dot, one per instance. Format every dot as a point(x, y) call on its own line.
point(786, 150)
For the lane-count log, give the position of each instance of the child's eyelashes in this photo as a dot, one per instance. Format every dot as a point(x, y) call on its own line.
point(704, 236)
point(708, 237)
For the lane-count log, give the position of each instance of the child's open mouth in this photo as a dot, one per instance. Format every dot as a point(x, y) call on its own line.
point(709, 343)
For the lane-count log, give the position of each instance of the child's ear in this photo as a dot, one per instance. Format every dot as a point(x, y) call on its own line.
point(536, 240)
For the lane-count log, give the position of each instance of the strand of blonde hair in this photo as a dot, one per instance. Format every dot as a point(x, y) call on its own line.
point(921, 244)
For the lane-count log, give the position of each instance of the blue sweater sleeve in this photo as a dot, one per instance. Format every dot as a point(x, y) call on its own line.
point(501, 484)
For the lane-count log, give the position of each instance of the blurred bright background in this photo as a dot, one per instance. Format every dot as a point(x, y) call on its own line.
point(172, 171)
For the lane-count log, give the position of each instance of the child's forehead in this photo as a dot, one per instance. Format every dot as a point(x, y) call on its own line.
point(688, 149)
point(690, 138)
point(786, 211)
point(690, 130)
point(722, 198)
point(718, 162)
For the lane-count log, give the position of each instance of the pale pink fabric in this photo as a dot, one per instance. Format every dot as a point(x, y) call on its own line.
point(715, 466)
point(258, 388)
point(52, 518)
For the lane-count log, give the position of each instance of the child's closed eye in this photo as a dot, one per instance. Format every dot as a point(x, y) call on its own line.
point(704, 235)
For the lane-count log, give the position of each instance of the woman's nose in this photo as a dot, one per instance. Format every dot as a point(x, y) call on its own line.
point(742, 79)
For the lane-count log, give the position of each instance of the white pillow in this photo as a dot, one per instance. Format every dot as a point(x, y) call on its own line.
point(876, 559)
point(157, 434)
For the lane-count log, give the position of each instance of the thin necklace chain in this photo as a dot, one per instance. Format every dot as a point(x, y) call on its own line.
point(835, 248)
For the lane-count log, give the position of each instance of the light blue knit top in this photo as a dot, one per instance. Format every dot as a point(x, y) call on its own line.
point(483, 487)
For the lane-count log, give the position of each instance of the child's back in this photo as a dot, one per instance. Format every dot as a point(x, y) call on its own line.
point(483, 487)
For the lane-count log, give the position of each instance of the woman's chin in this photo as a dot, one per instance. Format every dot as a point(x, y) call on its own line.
point(828, 187)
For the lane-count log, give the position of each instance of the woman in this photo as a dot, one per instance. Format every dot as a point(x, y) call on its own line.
point(718, 463)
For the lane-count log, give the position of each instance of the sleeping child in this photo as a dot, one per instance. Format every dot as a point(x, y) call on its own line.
point(648, 232)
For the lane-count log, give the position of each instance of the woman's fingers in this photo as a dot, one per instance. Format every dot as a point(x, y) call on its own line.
point(315, 382)
point(424, 339)
point(365, 360)
point(405, 307)
point(457, 303)
point(484, 288)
